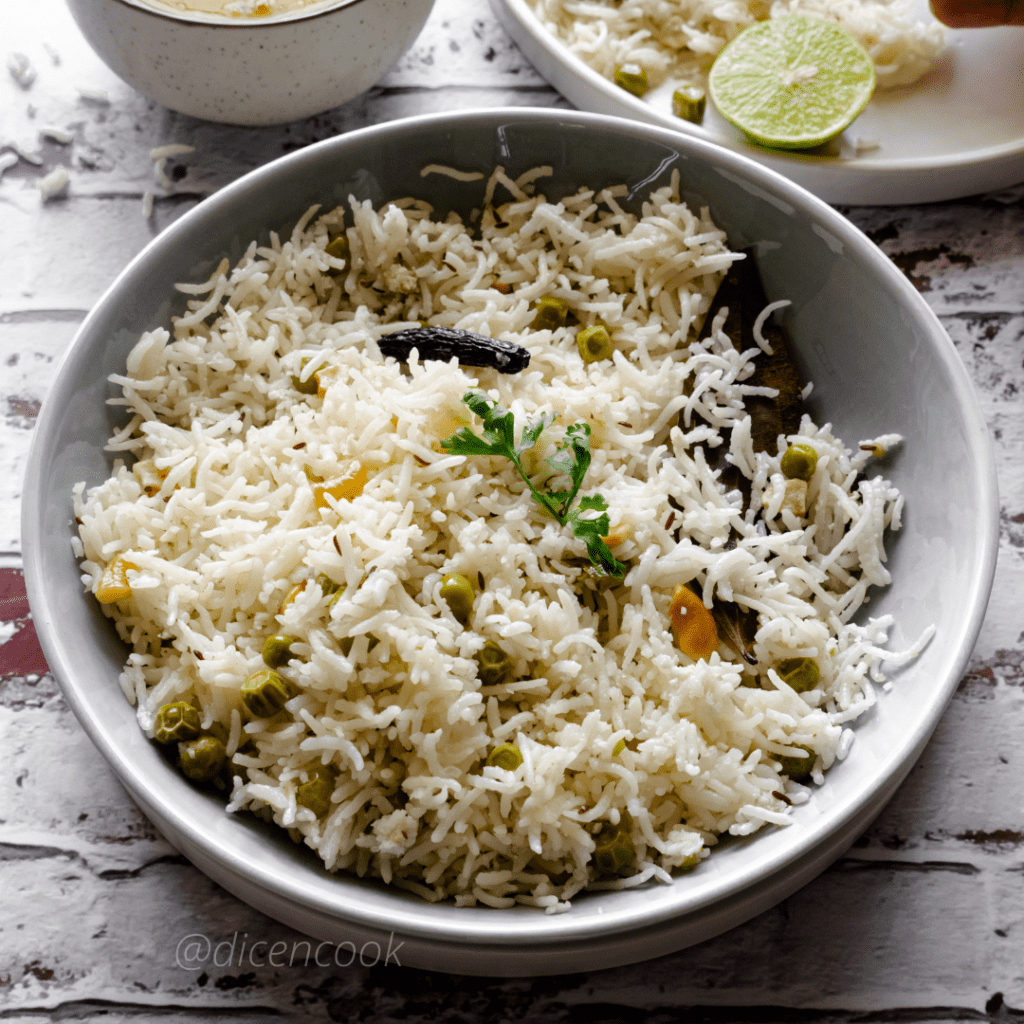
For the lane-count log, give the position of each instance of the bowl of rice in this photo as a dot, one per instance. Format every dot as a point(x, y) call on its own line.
point(406, 533)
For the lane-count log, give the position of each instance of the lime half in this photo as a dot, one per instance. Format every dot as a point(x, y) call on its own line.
point(792, 82)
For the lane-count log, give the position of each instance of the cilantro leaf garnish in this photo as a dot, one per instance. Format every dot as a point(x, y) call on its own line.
point(571, 458)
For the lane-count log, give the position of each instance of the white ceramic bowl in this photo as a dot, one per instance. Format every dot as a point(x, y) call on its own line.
point(251, 71)
point(880, 362)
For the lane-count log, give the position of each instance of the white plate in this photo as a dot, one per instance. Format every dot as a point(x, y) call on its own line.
point(958, 131)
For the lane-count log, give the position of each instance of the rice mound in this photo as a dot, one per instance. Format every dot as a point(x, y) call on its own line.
point(228, 513)
point(679, 39)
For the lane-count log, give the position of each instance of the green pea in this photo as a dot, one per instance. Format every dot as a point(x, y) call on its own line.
point(202, 759)
point(327, 585)
point(800, 673)
point(457, 592)
point(689, 863)
point(176, 723)
point(614, 853)
point(309, 386)
point(632, 78)
point(689, 103)
point(594, 343)
point(507, 756)
point(550, 313)
point(338, 247)
point(494, 666)
point(316, 792)
point(277, 649)
point(799, 462)
point(797, 768)
point(264, 693)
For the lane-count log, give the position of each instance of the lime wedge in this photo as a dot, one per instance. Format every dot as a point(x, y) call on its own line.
point(792, 82)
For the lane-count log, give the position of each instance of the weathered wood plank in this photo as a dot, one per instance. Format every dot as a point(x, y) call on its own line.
point(31, 344)
point(811, 953)
point(462, 44)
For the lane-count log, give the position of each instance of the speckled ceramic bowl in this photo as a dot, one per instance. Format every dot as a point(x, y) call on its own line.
point(251, 71)
point(879, 361)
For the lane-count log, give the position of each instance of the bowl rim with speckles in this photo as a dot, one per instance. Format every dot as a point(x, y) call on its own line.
point(222, 21)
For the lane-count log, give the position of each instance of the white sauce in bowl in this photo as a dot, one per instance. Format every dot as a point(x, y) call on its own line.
point(250, 9)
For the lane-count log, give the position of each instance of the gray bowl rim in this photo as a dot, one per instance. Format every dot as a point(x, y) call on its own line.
point(371, 907)
point(204, 20)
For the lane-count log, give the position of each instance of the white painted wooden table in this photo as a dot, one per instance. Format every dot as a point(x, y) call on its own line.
point(923, 921)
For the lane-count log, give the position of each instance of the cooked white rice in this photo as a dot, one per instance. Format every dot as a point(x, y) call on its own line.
point(219, 515)
point(679, 39)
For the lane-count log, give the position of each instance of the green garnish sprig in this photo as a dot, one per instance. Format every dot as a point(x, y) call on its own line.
point(571, 457)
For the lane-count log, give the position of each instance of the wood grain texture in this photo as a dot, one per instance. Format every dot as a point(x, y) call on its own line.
point(922, 921)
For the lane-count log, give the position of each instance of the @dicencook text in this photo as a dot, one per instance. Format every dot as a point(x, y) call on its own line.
point(196, 951)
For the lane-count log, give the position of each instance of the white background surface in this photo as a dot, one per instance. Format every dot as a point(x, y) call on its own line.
point(924, 919)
